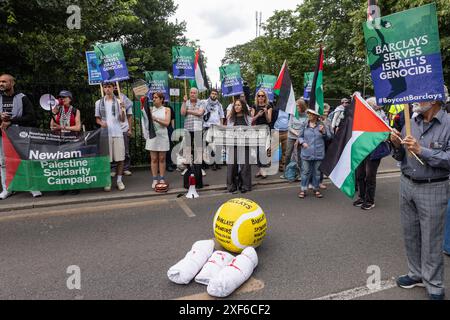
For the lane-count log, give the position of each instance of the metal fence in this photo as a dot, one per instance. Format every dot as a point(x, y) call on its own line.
point(85, 97)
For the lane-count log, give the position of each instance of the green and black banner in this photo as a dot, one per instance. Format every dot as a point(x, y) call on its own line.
point(40, 160)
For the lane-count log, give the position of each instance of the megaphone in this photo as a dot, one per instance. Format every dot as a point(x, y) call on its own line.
point(48, 102)
point(192, 192)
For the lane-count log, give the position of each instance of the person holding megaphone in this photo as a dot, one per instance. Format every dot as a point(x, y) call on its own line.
point(67, 117)
point(66, 120)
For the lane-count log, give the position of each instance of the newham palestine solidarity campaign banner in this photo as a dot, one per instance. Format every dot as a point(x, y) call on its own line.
point(41, 160)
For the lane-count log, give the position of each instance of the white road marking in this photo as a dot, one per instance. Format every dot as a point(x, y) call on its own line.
point(185, 208)
point(359, 292)
point(90, 209)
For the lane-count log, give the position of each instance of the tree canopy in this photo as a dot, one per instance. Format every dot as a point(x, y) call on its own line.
point(37, 44)
point(296, 35)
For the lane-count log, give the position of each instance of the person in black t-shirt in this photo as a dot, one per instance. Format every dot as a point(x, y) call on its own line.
point(15, 109)
point(262, 116)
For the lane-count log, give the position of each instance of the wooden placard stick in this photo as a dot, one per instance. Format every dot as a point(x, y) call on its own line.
point(407, 124)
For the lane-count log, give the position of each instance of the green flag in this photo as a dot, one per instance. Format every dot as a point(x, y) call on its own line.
point(316, 100)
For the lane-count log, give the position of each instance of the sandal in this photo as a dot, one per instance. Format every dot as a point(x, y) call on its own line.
point(302, 195)
point(318, 194)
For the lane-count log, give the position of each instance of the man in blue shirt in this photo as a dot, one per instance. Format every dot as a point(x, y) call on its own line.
point(424, 194)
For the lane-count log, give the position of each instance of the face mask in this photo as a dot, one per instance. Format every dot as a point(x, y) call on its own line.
point(421, 110)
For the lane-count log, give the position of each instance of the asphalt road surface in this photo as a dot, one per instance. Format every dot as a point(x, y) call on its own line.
point(314, 248)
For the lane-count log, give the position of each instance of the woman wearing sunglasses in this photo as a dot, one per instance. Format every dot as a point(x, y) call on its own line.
point(263, 116)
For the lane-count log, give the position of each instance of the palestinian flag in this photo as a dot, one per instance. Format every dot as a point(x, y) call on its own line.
point(362, 131)
point(316, 99)
point(201, 81)
point(285, 91)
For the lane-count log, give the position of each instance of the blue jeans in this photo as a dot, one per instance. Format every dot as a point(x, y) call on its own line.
point(447, 231)
point(310, 172)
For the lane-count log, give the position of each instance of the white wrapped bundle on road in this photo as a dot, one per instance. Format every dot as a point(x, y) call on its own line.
point(211, 269)
point(234, 274)
point(186, 269)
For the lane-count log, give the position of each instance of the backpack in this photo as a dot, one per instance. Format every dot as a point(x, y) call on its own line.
point(292, 171)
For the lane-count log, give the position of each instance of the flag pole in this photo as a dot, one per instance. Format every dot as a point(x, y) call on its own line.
point(101, 90)
point(412, 153)
point(185, 87)
point(118, 89)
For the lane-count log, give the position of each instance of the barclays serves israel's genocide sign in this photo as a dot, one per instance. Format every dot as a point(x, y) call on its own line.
point(403, 52)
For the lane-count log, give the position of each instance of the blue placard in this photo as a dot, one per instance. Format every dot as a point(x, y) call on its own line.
point(94, 74)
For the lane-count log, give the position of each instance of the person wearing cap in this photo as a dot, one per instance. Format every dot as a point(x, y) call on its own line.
point(67, 116)
point(311, 140)
point(17, 110)
point(339, 115)
point(109, 113)
point(66, 121)
point(424, 194)
point(295, 124)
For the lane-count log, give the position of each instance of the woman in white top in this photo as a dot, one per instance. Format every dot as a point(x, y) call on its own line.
point(159, 145)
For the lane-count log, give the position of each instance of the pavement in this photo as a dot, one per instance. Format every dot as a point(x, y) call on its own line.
point(138, 186)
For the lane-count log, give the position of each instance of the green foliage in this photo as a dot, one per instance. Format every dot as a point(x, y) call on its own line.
point(337, 25)
point(40, 47)
point(288, 36)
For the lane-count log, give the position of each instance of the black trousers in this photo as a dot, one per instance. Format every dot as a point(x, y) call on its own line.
point(366, 178)
point(236, 179)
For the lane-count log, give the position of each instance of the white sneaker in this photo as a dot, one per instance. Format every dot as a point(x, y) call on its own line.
point(155, 182)
point(203, 173)
point(120, 186)
point(113, 174)
point(5, 194)
point(36, 194)
point(310, 186)
point(107, 188)
point(127, 173)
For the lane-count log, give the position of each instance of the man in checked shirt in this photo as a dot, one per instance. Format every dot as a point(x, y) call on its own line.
point(424, 194)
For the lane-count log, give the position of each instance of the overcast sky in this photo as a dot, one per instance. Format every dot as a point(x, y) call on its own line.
point(222, 24)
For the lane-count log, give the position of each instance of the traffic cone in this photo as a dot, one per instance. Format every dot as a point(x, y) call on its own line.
point(192, 192)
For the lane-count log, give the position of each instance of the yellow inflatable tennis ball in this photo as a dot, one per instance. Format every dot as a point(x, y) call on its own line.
point(240, 223)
